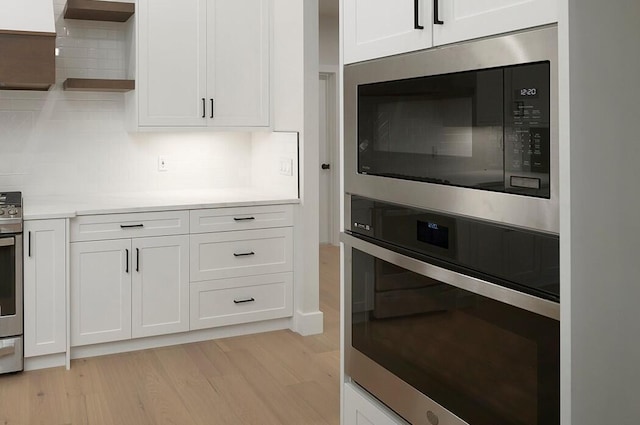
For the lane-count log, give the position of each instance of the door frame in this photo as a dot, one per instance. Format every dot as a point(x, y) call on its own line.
point(330, 74)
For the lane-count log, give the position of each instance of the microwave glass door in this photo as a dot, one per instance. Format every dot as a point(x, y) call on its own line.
point(485, 129)
point(485, 361)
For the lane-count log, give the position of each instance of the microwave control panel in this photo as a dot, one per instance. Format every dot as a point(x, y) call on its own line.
point(526, 127)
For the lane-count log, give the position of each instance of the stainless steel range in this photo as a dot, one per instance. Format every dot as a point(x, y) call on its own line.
point(11, 284)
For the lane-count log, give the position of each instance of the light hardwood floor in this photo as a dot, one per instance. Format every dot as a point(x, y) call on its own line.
point(273, 378)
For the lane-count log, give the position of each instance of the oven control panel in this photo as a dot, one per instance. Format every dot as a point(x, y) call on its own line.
point(527, 140)
point(10, 212)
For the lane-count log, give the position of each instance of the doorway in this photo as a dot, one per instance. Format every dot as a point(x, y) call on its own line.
point(328, 160)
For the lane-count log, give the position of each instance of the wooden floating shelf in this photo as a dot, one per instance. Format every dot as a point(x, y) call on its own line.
point(92, 84)
point(95, 10)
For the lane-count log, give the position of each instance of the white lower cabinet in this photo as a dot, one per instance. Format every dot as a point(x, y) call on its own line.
point(241, 300)
point(140, 275)
point(100, 291)
point(241, 253)
point(160, 287)
point(241, 265)
point(45, 316)
point(127, 288)
point(362, 409)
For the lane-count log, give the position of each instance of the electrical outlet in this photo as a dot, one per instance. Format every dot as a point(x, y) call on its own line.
point(163, 163)
point(286, 166)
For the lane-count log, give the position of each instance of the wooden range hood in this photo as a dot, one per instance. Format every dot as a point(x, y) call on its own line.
point(28, 60)
point(27, 45)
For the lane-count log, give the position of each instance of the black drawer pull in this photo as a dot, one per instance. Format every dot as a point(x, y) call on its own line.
point(246, 300)
point(131, 226)
point(243, 218)
point(244, 254)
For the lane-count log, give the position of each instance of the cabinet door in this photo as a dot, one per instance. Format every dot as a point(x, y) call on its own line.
point(171, 62)
point(467, 19)
point(362, 409)
point(376, 28)
point(160, 285)
point(45, 317)
point(100, 291)
point(238, 39)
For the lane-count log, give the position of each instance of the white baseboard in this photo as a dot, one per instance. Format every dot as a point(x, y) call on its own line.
point(44, 362)
point(308, 323)
point(179, 338)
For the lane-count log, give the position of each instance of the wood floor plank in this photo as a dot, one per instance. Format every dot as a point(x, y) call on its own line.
point(273, 378)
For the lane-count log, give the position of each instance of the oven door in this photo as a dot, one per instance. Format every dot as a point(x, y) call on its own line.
point(10, 285)
point(440, 347)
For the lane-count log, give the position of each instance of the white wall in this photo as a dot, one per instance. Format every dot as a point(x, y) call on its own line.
point(600, 228)
point(60, 142)
point(296, 109)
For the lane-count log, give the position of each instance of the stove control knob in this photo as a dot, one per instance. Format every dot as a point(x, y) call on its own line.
point(13, 211)
point(1, 212)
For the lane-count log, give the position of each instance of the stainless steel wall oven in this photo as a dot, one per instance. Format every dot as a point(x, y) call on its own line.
point(452, 320)
point(451, 246)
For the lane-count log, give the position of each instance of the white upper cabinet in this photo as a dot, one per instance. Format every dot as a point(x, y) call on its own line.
point(203, 63)
point(467, 19)
point(238, 63)
point(171, 62)
point(378, 28)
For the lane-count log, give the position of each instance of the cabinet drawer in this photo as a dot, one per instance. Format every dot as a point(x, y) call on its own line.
point(116, 226)
point(240, 300)
point(233, 254)
point(242, 218)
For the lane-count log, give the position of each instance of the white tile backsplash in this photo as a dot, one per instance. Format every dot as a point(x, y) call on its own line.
point(74, 143)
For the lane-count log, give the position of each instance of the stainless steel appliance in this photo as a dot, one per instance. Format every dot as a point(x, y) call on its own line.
point(469, 129)
point(11, 285)
point(451, 320)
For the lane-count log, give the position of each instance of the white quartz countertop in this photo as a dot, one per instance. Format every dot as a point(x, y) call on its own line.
point(67, 206)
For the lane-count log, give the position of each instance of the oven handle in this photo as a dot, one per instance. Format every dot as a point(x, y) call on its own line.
point(7, 241)
point(499, 293)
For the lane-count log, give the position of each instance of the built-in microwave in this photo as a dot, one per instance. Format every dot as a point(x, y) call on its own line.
point(469, 129)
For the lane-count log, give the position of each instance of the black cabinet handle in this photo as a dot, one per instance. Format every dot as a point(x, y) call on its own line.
point(436, 18)
point(243, 218)
point(29, 244)
point(244, 254)
point(212, 108)
point(137, 260)
point(204, 107)
point(127, 269)
point(131, 226)
point(246, 300)
point(416, 15)
point(326, 166)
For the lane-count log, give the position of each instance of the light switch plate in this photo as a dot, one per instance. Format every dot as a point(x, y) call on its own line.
point(286, 166)
point(163, 164)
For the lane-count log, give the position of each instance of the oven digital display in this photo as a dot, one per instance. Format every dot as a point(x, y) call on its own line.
point(434, 234)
